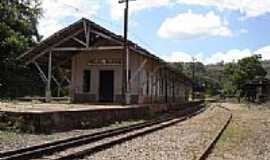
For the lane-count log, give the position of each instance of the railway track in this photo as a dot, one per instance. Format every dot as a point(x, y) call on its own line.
point(78, 147)
point(204, 154)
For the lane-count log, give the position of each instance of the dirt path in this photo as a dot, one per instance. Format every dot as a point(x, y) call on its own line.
point(247, 137)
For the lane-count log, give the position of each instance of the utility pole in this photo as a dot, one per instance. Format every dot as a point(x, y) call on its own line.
point(48, 86)
point(193, 77)
point(125, 57)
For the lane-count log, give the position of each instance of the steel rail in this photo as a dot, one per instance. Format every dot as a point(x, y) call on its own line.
point(205, 153)
point(38, 151)
point(103, 146)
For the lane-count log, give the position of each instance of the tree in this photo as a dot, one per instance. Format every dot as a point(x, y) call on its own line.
point(238, 74)
point(199, 68)
point(18, 32)
point(179, 66)
point(18, 27)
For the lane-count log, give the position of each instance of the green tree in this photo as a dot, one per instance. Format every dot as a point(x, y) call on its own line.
point(18, 32)
point(199, 68)
point(18, 27)
point(237, 74)
point(179, 66)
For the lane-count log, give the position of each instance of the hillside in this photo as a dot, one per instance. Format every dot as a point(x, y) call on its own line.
point(210, 75)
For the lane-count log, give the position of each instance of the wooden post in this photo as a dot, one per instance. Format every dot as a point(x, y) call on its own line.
point(58, 85)
point(193, 78)
point(173, 87)
point(41, 73)
point(48, 87)
point(87, 30)
point(166, 86)
point(125, 57)
point(137, 71)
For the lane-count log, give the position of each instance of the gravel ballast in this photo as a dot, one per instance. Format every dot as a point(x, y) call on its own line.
point(184, 140)
point(10, 140)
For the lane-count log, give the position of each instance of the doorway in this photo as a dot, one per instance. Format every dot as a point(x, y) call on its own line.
point(106, 81)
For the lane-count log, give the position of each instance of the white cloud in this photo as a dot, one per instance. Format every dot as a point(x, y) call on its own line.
point(190, 25)
point(117, 10)
point(236, 54)
point(264, 51)
point(182, 57)
point(57, 13)
point(249, 8)
point(178, 57)
point(243, 31)
point(229, 56)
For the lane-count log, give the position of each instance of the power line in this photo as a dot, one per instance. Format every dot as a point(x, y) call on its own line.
point(143, 42)
point(76, 9)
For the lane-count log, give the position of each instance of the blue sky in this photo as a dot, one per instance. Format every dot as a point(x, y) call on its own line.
point(176, 30)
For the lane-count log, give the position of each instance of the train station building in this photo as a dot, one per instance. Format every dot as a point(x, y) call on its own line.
point(92, 62)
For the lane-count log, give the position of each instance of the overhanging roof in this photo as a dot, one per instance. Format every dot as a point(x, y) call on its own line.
point(38, 53)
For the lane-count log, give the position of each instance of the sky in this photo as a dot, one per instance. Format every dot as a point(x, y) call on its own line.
point(175, 30)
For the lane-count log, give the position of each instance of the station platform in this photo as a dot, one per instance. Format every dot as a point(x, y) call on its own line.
point(29, 107)
point(59, 117)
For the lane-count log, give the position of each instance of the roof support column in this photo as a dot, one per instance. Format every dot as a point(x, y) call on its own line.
point(137, 71)
point(87, 30)
point(48, 86)
point(41, 73)
point(128, 88)
point(58, 85)
point(173, 87)
point(166, 86)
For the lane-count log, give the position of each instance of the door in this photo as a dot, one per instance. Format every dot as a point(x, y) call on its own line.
point(106, 86)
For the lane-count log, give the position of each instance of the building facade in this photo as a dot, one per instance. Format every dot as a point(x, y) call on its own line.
point(97, 77)
point(90, 58)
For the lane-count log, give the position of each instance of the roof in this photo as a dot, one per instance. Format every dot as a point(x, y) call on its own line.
point(38, 52)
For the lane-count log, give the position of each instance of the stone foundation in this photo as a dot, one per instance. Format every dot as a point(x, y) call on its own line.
point(58, 121)
point(84, 98)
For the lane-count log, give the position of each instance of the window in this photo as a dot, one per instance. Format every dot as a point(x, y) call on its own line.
point(86, 80)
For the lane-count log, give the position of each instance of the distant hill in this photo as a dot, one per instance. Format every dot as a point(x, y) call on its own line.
point(212, 74)
point(213, 71)
point(208, 76)
point(216, 71)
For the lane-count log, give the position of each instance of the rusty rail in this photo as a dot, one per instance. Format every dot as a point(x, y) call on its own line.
point(205, 153)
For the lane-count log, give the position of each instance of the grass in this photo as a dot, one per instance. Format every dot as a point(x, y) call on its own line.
point(237, 131)
point(7, 135)
point(231, 138)
point(240, 137)
point(255, 107)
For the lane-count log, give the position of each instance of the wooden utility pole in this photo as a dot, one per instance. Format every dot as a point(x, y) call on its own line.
point(48, 86)
point(193, 78)
point(125, 57)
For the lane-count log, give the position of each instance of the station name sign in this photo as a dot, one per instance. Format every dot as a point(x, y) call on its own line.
point(104, 61)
